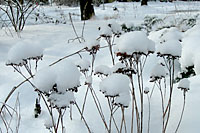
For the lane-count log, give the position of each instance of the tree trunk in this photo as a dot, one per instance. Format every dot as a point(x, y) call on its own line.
point(87, 9)
point(144, 2)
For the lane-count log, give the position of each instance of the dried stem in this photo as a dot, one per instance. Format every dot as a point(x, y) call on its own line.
point(179, 123)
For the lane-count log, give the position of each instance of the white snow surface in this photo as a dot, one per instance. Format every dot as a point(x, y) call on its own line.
point(54, 37)
point(171, 47)
point(91, 43)
point(83, 64)
point(23, 50)
point(62, 100)
point(114, 85)
point(123, 99)
point(115, 27)
point(88, 80)
point(146, 90)
point(68, 75)
point(184, 83)
point(103, 69)
point(65, 75)
point(117, 66)
point(191, 47)
point(158, 71)
point(172, 33)
point(136, 41)
point(45, 79)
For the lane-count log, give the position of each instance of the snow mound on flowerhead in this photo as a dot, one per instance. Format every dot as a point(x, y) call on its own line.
point(191, 47)
point(158, 72)
point(62, 100)
point(45, 79)
point(83, 64)
point(22, 51)
point(171, 34)
point(48, 122)
point(171, 47)
point(146, 90)
point(114, 85)
point(194, 31)
point(105, 30)
point(136, 41)
point(103, 69)
point(166, 34)
point(68, 76)
point(88, 80)
point(92, 42)
point(109, 28)
point(65, 75)
point(184, 84)
point(123, 99)
point(117, 67)
point(115, 27)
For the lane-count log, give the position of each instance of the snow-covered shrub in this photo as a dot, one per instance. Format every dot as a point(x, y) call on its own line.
point(68, 76)
point(62, 100)
point(110, 28)
point(184, 84)
point(146, 90)
point(22, 52)
point(171, 49)
point(134, 43)
point(63, 77)
point(102, 70)
point(45, 79)
point(150, 22)
point(123, 99)
point(133, 49)
point(83, 65)
point(187, 23)
point(114, 85)
point(158, 72)
point(171, 33)
point(92, 46)
point(129, 27)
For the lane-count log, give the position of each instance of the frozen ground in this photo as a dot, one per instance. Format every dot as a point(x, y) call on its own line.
point(54, 39)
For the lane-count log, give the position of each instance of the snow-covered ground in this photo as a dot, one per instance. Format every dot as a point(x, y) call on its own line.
point(54, 39)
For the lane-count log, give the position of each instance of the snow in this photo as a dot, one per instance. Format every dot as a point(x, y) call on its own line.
point(172, 33)
point(158, 72)
point(45, 79)
point(54, 39)
point(117, 66)
point(123, 99)
point(114, 85)
point(68, 76)
point(184, 84)
point(62, 100)
point(88, 80)
point(146, 90)
point(65, 75)
point(115, 27)
point(103, 69)
point(134, 42)
point(89, 44)
point(171, 47)
point(83, 64)
point(105, 30)
point(22, 51)
point(189, 56)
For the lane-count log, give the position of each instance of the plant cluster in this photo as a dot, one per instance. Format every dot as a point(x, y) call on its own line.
point(122, 84)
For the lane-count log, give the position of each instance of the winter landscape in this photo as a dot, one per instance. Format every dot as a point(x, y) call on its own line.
point(128, 69)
